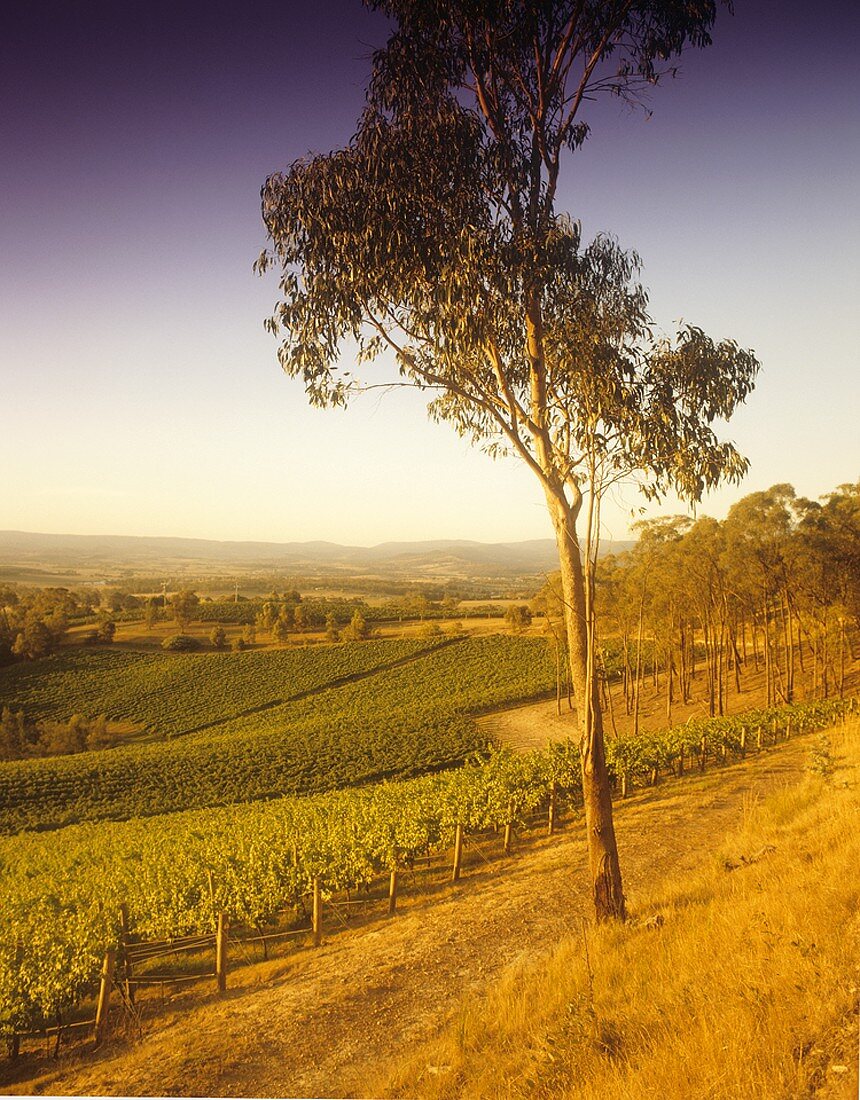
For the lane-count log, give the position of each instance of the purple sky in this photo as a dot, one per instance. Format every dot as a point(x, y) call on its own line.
point(140, 392)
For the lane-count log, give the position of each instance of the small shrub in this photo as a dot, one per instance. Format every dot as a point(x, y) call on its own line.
point(180, 643)
point(821, 758)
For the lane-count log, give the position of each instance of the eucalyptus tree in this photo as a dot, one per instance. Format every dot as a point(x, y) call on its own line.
point(759, 532)
point(826, 569)
point(657, 556)
point(435, 236)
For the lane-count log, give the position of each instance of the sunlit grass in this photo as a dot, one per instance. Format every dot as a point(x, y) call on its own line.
point(738, 981)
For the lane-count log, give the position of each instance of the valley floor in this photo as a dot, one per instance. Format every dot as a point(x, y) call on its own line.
point(328, 1022)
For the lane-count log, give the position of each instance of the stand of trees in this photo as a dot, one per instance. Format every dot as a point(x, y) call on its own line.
point(21, 738)
point(775, 587)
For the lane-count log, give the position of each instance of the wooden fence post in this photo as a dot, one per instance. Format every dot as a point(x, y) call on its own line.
point(104, 995)
point(458, 853)
point(743, 740)
point(553, 798)
point(317, 914)
point(703, 748)
point(509, 829)
point(392, 891)
point(221, 952)
point(123, 947)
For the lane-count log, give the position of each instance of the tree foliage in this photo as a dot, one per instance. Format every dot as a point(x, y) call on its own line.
point(461, 266)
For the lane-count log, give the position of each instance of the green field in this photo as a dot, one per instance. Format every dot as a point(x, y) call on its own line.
point(172, 693)
point(395, 720)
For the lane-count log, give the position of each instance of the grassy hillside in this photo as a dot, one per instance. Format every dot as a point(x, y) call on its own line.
point(737, 981)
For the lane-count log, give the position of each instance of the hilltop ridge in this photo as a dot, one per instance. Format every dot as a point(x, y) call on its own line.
point(422, 556)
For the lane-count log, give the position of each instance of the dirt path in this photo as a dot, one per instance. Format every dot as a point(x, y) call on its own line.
point(321, 1022)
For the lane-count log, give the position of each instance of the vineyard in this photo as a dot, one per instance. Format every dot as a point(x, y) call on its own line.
point(174, 693)
point(61, 894)
point(398, 721)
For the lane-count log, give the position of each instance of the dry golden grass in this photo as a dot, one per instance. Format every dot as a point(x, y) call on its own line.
point(739, 981)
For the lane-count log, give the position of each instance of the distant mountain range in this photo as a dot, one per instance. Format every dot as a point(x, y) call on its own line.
point(444, 556)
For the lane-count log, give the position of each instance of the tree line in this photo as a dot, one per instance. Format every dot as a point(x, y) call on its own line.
point(774, 589)
point(22, 737)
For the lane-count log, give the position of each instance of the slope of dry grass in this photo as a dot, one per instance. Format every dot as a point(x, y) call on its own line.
point(738, 980)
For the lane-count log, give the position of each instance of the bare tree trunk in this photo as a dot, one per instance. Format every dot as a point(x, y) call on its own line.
point(596, 788)
point(841, 657)
point(638, 682)
point(721, 664)
point(558, 679)
point(685, 666)
point(628, 691)
point(737, 662)
point(800, 647)
point(609, 702)
point(670, 682)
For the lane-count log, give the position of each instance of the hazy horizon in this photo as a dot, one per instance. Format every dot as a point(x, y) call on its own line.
point(727, 497)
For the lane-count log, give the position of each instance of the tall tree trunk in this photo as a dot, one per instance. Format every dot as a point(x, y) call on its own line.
point(637, 688)
point(628, 692)
point(596, 789)
point(670, 680)
point(685, 665)
point(558, 678)
point(737, 661)
point(841, 657)
point(768, 660)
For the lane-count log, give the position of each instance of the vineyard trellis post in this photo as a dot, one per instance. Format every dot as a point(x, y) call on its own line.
point(221, 952)
point(458, 853)
point(392, 891)
point(124, 940)
point(317, 914)
point(105, 987)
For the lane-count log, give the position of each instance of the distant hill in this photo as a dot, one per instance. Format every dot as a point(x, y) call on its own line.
point(437, 556)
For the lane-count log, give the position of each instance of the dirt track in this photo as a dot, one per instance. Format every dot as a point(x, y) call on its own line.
point(320, 1023)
